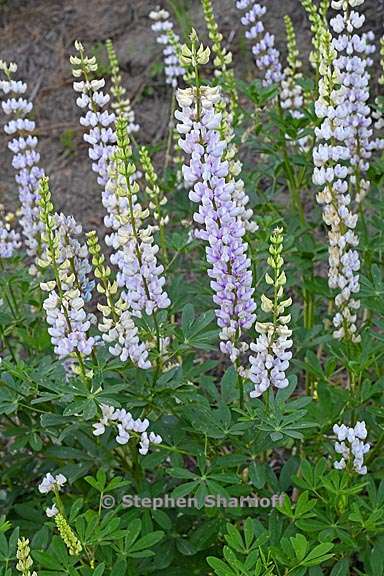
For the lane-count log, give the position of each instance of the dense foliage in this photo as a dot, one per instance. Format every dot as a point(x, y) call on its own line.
point(199, 389)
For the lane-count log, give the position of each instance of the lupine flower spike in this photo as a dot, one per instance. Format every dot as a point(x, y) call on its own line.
point(126, 426)
point(340, 164)
point(317, 15)
point(99, 122)
point(222, 57)
point(218, 215)
point(350, 444)
point(291, 97)
point(24, 560)
point(163, 26)
point(227, 107)
point(25, 156)
point(121, 104)
point(266, 56)
point(10, 240)
point(135, 250)
point(156, 196)
point(68, 536)
point(351, 71)
point(272, 347)
point(68, 320)
point(117, 327)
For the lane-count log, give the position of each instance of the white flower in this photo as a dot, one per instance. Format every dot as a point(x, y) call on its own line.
point(52, 511)
point(51, 482)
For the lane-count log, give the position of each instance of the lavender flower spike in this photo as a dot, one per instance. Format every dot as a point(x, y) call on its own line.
point(218, 214)
point(67, 317)
point(266, 56)
point(25, 157)
point(163, 26)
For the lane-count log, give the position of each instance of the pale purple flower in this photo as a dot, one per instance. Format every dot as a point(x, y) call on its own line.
point(50, 482)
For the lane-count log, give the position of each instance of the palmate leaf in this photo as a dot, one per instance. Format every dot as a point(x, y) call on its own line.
point(281, 418)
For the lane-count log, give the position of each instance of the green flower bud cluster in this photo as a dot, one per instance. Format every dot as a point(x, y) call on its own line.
point(68, 536)
point(194, 56)
point(157, 199)
point(318, 18)
point(223, 57)
point(121, 104)
point(8, 69)
point(102, 273)
point(24, 560)
point(48, 237)
point(277, 278)
point(381, 79)
point(294, 63)
point(82, 64)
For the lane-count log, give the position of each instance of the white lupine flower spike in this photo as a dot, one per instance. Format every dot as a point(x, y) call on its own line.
point(341, 157)
point(350, 445)
point(271, 361)
point(163, 27)
point(127, 427)
point(26, 158)
point(266, 55)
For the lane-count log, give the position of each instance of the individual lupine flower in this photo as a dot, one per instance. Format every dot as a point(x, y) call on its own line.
point(68, 536)
point(99, 122)
point(350, 444)
point(291, 96)
point(269, 365)
point(213, 189)
point(266, 56)
point(135, 252)
point(51, 483)
point(334, 173)
point(52, 511)
point(163, 26)
point(126, 426)
point(10, 240)
point(25, 156)
point(67, 318)
point(121, 103)
point(117, 327)
point(24, 560)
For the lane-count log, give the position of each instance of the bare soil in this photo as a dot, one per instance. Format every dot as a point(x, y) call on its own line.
point(39, 36)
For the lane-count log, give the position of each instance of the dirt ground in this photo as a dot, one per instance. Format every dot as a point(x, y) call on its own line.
point(39, 36)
